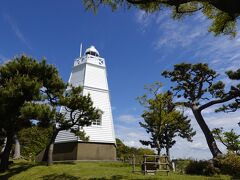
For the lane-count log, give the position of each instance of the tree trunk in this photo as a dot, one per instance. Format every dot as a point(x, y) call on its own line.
point(4, 144)
point(158, 151)
point(17, 153)
point(168, 157)
point(168, 153)
point(49, 149)
point(158, 148)
point(167, 142)
point(3, 147)
point(208, 134)
point(6, 153)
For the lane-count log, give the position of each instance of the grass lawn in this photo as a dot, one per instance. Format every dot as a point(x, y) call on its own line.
point(86, 170)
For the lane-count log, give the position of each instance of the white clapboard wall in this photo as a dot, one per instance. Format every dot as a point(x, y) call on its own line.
point(89, 71)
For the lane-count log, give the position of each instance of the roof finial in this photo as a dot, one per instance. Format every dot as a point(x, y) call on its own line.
point(80, 55)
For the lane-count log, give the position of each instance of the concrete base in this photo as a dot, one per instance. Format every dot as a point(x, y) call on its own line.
point(82, 151)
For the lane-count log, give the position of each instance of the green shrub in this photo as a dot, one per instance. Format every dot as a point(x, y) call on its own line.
point(229, 164)
point(181, 165)
point(124, 153)
point(33, 140)
point(200, 168)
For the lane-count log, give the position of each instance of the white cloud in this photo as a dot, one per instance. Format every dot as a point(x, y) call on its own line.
point(226, 120)
point(128, 118)
point(172, 33)
point(131, 143)
point(191, 39)
point(130, 135)
point(199, 146)
point(15, 28)
point(210, 110)
point(143, 19)
point(198, 149)
point(133, 134)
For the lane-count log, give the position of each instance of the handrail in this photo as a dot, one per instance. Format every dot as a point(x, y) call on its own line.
point(157, 162)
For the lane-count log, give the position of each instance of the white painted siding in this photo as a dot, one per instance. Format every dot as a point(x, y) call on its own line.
point(104, 132)
point(92, 75)
point(77, 75)
point(95, 77)
point(65, 136)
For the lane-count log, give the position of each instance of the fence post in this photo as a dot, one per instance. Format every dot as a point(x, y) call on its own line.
point(168, 164)
point(145, 164)
point(133, 163)
point(159, 161)
point(173, 166)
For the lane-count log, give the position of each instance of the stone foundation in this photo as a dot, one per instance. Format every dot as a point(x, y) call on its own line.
point(82, 151)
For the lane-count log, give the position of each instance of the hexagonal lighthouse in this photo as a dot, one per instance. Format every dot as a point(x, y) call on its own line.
point(89, 71)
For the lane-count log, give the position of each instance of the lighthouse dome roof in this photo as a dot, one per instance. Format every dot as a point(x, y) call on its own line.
point(92, 51)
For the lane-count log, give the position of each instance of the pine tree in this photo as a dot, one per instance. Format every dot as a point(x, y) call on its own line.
point(196, 84)
point(78, 111)
point(229, 139)
point(22, 80)
point(162, 121)
point(235, 104)
point(224, 14)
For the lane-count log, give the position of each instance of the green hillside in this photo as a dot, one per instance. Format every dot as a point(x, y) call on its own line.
point(86, 170)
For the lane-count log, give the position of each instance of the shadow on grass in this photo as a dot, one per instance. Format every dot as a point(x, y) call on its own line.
point(16, 169)
point(116, 164)
point(70, 177)
point(64, 162)
point(59, 177)
point(115, 177)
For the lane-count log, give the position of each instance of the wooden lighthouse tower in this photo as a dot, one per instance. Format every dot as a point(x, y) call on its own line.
point(89, 71)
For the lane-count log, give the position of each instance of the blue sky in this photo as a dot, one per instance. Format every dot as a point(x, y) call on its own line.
point(137, 48)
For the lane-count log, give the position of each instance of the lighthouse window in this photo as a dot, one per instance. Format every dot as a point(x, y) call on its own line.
point(97, 122)
point(92, 53)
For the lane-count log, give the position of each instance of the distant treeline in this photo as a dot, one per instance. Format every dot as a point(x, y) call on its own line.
point(125, 152)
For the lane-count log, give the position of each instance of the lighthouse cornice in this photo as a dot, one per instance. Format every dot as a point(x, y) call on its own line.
point(90, 59)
